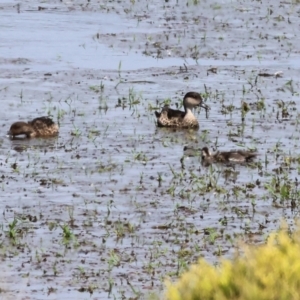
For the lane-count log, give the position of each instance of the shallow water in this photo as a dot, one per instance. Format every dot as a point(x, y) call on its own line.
point(136, 211)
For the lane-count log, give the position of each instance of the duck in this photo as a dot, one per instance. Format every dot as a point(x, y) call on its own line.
point(235, 156)
point(181, 119)
point(38, 127)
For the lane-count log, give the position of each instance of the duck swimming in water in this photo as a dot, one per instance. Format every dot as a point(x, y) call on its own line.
point(182, 119)
point(39, 127)
point(235, 156)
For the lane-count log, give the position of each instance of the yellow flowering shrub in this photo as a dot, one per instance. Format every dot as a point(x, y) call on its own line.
point(270, 271)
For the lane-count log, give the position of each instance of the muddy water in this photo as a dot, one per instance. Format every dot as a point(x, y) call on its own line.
point(111, 207)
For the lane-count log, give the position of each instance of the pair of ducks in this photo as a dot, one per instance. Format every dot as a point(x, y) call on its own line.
point(44, 127)
point(175, 118)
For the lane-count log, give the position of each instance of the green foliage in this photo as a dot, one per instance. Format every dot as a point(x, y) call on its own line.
point(270, 271)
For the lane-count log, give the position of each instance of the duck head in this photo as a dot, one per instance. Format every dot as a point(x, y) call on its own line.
point(19, 128)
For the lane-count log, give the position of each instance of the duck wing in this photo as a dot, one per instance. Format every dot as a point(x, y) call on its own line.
point(236, 156)
point(175, 114)
point(247, 154)
point(221, 156)
point(42, 122)
point(171, 113)
point(44, 126)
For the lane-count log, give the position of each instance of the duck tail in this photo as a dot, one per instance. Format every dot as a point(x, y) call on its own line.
point(253, 155)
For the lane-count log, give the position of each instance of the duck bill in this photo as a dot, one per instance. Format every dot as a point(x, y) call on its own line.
point(206, 107)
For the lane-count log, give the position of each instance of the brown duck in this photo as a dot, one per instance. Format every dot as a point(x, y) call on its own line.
point(182, 119)
point(237, 156)
point(39, 127)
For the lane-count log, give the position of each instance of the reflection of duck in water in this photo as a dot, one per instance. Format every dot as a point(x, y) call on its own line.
point(39, 127)
point(48, 144)
point(237, 156)
point(182, 119)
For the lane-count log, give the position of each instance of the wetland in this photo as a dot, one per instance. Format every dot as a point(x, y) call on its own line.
point(113, 205)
